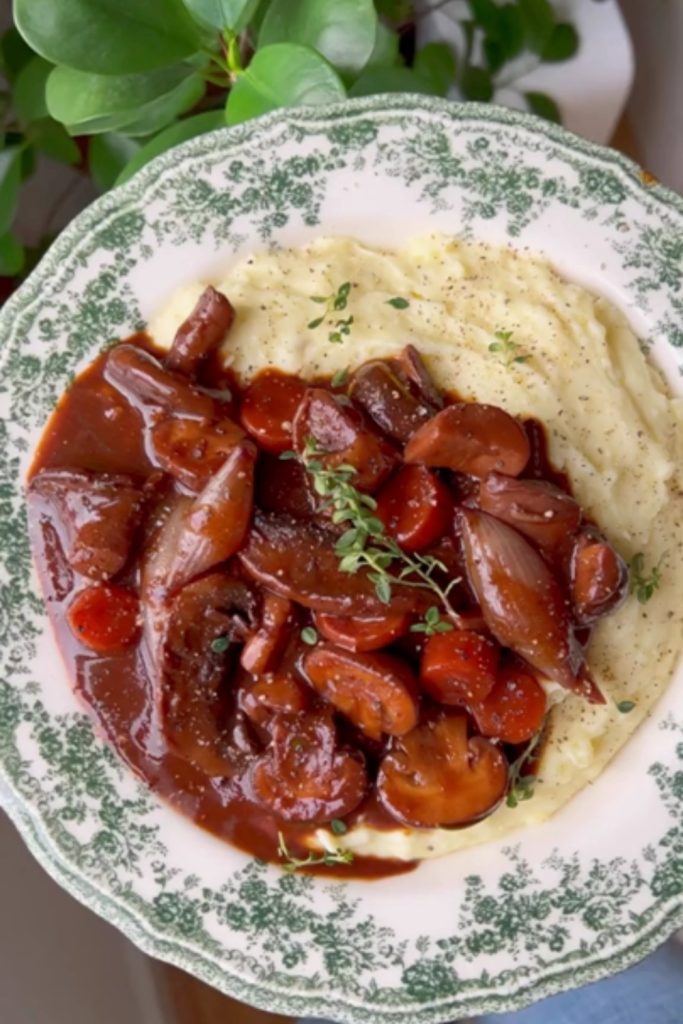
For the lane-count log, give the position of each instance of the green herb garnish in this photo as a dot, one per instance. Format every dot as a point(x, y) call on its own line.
point(643, 585)
point(365, 544)
point(432, 623)
point(309, 635)
point(334, 303)
point(398, 303)
point(521, 787)
point(339, 827)
point(340, 378)
point(624, 706)
point(327, 857)
point(220, 644)
point(507, 348)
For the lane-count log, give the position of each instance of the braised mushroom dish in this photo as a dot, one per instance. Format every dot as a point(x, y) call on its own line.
point(298, 607)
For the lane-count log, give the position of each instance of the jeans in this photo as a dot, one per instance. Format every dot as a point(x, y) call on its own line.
point(651, 992)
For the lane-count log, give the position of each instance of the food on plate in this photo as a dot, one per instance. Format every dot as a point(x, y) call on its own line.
point(338, 553)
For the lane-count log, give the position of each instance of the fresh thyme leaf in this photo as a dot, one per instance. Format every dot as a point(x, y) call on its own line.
point(334, 303)
point(339, 827)
point(287, 456)
point(398, 302)
point(292, 863)
point(624, 706)
point(340, 378)
point(643, 585)
point(521, 787)
point(432, 623)
point(365, 544)
point(220, 644)
point(507, 348)
point(309, 635)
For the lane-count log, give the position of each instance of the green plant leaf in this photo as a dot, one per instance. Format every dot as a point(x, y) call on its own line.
point(543, 105)
point(88, 103)
point(233, 15)
point(14, 53)
point(29, 90)
point(562, 44)
point(477, 84)
point(108, 38)
point(486, 14)
point(435, 63)
point(12, 256)
point(343, 31)
point(283, 75)
point(538, 19)
point(169, 137)
point(10, 180)
point(495, 55)
point(511, 30)
point(385, 52)
point(377, 80)
point(52, 139)
point(108, 154)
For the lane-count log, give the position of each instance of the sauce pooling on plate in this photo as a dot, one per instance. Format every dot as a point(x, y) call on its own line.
point(296, 606)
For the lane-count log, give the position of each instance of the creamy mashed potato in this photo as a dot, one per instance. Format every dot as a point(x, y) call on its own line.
point(611, 426)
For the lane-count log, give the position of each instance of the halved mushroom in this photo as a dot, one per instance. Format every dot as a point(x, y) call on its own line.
point(190, 668)
point(599, 577)
point(265, 646)
point(388, 401)
point(201, 333)
point(296, 559)
point(437, 777)
point(521, 600)
point(274, 694)
point(538, 509)
point(303, 775)
point(95, 515)
point(342, 439)
point(471, 438)
point(377, 692)
point(151, 389)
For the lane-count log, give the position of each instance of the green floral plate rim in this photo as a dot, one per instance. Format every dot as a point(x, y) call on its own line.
point(492, 929)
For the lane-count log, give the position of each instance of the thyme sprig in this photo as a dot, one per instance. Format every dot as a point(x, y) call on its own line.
point(507, 349)
point(643, 585)
point(334, 303)
point(327, 857)
point(365, 545)
point(521, 787)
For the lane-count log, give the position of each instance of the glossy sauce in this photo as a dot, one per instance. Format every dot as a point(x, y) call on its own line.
point(95, 428)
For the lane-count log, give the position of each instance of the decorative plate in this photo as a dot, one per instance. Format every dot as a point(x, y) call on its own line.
point(491, 929)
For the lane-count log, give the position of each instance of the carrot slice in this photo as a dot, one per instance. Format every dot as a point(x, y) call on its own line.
point(104, 618)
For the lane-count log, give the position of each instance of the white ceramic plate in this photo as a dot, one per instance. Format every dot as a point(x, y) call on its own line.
point(489, 929)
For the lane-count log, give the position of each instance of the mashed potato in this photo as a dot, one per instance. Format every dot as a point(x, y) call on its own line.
point(611, 426)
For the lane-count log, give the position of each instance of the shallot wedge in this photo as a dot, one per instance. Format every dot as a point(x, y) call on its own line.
point(388, 401)
point(151, 389)
point(542, 512)
point(521, 600)
point(201, 333)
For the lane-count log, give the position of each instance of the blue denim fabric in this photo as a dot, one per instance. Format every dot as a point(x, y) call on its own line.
point(649, 993)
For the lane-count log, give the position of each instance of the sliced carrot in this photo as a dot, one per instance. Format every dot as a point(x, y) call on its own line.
point(104, 618)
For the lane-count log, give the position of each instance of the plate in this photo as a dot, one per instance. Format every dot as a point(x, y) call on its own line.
point(488, 929)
